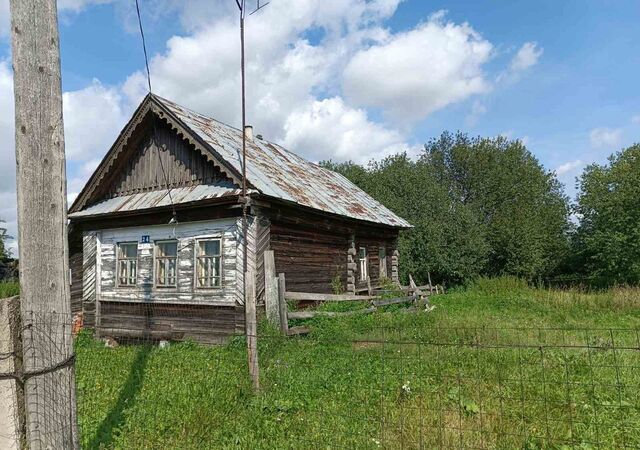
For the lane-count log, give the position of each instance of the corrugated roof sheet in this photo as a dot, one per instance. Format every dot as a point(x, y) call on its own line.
point(154, 199)
point(278, 173)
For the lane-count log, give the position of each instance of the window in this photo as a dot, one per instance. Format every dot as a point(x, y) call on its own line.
point(166, 256)
point(208, 263)
point(127, 263)
point(382, 256)
point(364, 269)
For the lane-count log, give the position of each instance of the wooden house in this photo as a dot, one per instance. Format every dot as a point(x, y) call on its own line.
point(156, 238)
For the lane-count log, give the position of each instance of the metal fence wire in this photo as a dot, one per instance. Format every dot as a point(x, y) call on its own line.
point(357, 386)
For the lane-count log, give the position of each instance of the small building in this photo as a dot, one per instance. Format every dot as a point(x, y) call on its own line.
point(156, 239)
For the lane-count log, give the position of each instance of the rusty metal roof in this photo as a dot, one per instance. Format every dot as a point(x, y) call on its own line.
point(277, 172)
point(155, 199)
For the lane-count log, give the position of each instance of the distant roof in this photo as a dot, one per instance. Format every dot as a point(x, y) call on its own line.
point(276, 172)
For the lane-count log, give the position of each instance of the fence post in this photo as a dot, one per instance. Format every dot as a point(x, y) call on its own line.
point(282, 305)
point(271, 288)
point(251, 327)
point(12, 413)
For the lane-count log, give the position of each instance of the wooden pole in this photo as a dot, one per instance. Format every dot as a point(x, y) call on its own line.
point(282, 305)
point(251, 327)
point(271, 288)
point(42, 226)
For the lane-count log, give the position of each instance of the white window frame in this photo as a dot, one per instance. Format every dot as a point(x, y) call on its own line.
point(363, 263)
point(155, 263)
point(119, 259)
point(197, 258)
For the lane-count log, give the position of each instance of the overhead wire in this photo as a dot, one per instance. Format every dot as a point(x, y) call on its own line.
point(174, 218)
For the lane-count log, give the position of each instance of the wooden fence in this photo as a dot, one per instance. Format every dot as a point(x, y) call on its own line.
point(277, 296)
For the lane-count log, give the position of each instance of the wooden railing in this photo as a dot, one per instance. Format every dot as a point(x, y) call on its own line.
point(277, 296)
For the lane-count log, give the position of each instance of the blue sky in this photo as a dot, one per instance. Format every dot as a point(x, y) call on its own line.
point(353, 79)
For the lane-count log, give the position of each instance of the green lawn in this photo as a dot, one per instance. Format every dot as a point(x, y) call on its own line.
point(498, 365)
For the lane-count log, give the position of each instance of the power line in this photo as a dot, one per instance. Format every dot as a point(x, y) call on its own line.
point(174, 219)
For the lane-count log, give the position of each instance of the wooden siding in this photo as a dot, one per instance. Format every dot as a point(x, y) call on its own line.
point(144, 167)
point(89, 246)
point(309, 258)
point(185, 292)
point(202, 323)
point(75, 267)
point(263, 242)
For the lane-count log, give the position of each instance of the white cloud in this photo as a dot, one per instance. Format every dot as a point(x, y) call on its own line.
point(285, 71)
point(93, 116)
point(329, 129)
point(568, 167)
point(636, 120)
point(527, 56)
point(605, 137)
point(413, 74)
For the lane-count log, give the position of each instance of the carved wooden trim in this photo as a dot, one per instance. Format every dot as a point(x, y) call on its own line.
point(153, 106)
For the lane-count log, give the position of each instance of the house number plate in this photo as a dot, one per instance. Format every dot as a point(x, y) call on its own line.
point(145, 239)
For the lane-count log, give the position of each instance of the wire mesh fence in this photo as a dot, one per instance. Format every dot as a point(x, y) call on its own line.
point(357, 383)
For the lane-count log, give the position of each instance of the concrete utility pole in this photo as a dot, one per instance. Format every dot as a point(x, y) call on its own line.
point(49, 387)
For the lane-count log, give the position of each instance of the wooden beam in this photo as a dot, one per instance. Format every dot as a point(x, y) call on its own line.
point(310, 296)
point(251, 326)
point(394, 301)
point(312, 314)
point(271, 288)
point(282, 305)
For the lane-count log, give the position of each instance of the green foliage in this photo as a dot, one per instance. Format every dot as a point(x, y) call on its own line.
point(478, 207)
point(336, 282)
point(4, 237)
point(608, 239)
point(9, 288)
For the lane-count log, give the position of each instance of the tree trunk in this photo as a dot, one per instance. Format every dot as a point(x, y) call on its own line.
point(42, 226)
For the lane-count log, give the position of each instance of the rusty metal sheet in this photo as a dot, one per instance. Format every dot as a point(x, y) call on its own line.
point(154, 199)
point(279, 173)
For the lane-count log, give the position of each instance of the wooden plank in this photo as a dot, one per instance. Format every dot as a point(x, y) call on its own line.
point(394, 301)
point(312, 314)
point(326, 297)
point(297, 331)
point(282, 305)
point(271, 288)
point(252, 327)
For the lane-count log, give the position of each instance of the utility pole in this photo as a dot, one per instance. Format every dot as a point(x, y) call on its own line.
point(250, 313)
point(48, 378)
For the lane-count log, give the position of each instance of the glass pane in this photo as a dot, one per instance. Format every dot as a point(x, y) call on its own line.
point(209, 248)
point(363, 252)
point(128, 250)
point(382, 252)
point(167, 249)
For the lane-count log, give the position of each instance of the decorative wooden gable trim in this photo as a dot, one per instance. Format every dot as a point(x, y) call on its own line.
point(148, 106)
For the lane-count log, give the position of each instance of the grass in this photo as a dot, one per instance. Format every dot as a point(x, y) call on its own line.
point(496, 365)
point(9, 288)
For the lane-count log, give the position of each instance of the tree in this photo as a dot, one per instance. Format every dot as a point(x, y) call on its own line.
point(478, 206)
point(4, 237)
point(608, 237)
point(521, 205)
point(445, 241)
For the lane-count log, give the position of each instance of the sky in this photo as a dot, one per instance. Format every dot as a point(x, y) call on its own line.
point(350, 79)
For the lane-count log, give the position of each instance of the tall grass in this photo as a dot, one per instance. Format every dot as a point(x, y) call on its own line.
point(488, 368)
point(9, 288)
